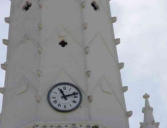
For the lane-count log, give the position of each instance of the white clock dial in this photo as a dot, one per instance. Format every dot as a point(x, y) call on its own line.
point(64, 97)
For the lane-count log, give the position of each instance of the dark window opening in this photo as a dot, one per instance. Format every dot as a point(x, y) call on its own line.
point(95, 126)
point(95, 6)
point(27, 6)
point(63, 43)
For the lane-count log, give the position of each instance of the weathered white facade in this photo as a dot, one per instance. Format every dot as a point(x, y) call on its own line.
point(53, 41)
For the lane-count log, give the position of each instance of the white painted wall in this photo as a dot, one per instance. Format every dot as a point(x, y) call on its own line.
point(36, 62)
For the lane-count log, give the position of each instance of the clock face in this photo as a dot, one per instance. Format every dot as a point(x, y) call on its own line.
point(64, 97)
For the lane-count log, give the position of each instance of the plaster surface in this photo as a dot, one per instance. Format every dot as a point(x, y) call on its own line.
point(36, 62)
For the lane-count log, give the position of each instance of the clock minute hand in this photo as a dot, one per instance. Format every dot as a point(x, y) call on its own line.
point(73, 94)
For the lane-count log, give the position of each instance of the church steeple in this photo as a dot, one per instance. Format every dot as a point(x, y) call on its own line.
point(149, 121)
point(62, 67)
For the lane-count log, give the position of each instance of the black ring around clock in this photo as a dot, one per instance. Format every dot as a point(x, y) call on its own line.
point(69, 84)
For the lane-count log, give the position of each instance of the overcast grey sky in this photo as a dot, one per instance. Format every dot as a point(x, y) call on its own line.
point(142, 27)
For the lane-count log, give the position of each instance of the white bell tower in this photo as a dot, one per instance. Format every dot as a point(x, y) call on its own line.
point(62, 68)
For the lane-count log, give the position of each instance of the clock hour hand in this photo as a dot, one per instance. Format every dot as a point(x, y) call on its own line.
point(64, 96)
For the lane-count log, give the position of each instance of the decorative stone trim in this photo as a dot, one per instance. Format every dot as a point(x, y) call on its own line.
point(40, 6)
point(40, 27)
point(125, 88)
point(88, 73)
point(113, 19)
point(156, 124)
point(4, 66)
point(141, 125)
point(85, 26)
point(129, 113)
point(117, 41)
point(90, 98)
point(121, 65)
point(38, 72)
point(146, 96)
point(7, 19)
point(2, 90)
point(38, 98)
point(83, 4)
point(5, 42)
point(40, 50)
point(87, 50)
point(66, 125)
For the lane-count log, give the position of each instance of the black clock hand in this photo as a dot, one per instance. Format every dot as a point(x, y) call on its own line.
point(64, 96)
point(73, 94)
